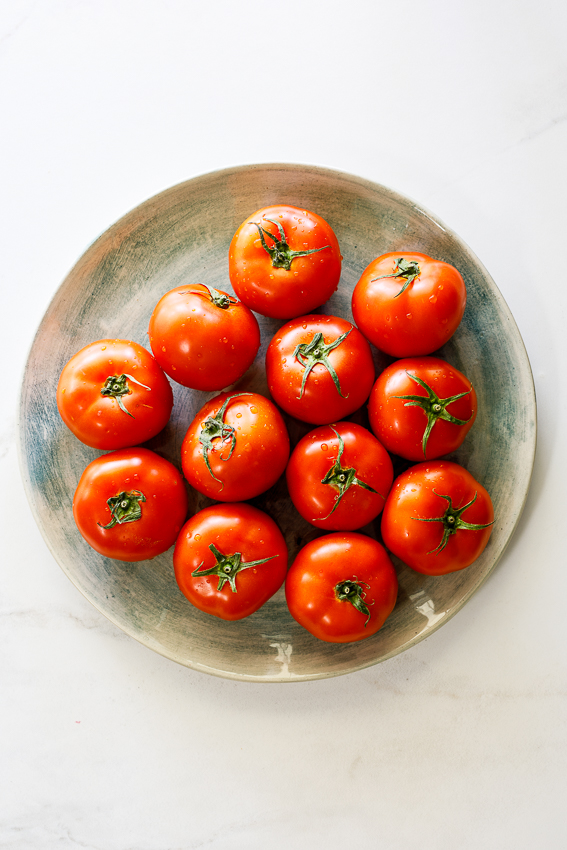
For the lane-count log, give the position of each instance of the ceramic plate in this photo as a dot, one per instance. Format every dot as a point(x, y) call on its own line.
point(182, 236)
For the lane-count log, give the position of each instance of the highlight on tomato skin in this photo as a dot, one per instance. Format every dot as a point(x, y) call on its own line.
point(229, 560)
point(130, 504)
point(421, 408)
point(339, 476)
point(202, 337)
point(437, 519)
point(113, 394)
point(284, 261)
point(342, 587)
point(409, 304)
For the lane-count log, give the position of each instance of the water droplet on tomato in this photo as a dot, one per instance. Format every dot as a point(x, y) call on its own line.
point(197, 537)
point(253, 409)
point(409, 315)
point(433, 298)
point(324, 447)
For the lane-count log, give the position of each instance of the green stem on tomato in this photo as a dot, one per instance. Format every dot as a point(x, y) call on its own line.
point(215, 428)
point(351, 590)
point(404, 268)
point(433, 407)
point(227, 567)
point(452, 521)
point(280, 253)
point(317, 351)
point(125, 507)
point(341, 478)
point(218, 298)
point(116, 386)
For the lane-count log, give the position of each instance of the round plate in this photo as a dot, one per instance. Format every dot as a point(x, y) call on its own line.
point(182, 236)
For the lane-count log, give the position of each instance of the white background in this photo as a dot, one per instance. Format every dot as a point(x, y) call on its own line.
point(459, 742)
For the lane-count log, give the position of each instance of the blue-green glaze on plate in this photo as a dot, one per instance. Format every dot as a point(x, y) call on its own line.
point(181, 236)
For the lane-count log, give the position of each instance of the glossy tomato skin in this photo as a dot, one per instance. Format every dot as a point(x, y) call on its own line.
point(200, 343)
point(279, 292)
point(330, 452)
point(400, 424)
point(158, 490)
point(138, 411)
point(417, 321)
point(319, 401)
point(329, 561)
point(247, 456)
point(422, 493)
point(231, 529)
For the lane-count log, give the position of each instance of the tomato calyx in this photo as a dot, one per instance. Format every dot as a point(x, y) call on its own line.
point(404, 268)
point(351, 590)
point(341, 478)
point(434, 407)
point(219, 299)
point(125, 507)
point(280, 253)
point(215, 428)
point(116, 386)
point(452, 521)
point(311, 353)
point(227, 567)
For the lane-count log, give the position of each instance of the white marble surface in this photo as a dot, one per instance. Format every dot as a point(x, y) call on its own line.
point(457, 743)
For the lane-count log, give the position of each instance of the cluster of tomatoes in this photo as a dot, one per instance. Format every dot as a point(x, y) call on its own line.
point(230, 558)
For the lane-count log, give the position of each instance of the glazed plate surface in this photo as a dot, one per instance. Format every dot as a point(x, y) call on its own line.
point(181, 237)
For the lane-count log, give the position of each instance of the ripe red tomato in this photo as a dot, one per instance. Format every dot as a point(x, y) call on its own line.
point(338, 477)
point(202, 337)
point(130, 504)
point(229, 560)
point(236, 447)
point(319, 368)
point(113, 394)
point(342, 587)
point(437, 518)
point(408, 304)
point(422, 408)
point(284, 261)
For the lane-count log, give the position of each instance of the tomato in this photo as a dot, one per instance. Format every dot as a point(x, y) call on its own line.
point(229, 560)
point(338, 476)
point(319, 368)
point(437, 518)
point(408, 304)
point(130, 504)
point(112, 394)
point(422, 408)
point(202, 337)
point(342, 587)
point(284, 261)
point(236, 447)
